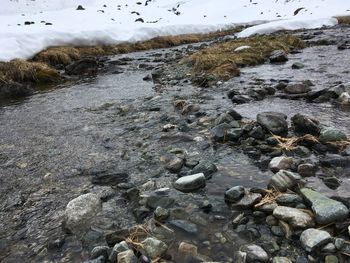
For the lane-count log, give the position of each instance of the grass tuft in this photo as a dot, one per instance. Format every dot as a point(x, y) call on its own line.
point(221, 61)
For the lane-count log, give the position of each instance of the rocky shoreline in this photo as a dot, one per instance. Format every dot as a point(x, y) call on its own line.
point(184, 175)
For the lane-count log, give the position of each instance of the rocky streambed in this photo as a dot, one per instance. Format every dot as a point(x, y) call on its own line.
point(136, 164)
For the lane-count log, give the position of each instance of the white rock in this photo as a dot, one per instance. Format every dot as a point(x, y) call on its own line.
point(281, 163)
point(344, 98)
point(190, 183)
point(80, 212)
point(241, 48)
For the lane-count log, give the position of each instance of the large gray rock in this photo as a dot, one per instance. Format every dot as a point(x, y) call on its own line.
point(326, 210)
point(274, 122)
point(295, 217)
point(154, 248)
point(332, 135)
point(284, 180)
point(312, 239)
point(190, 183)
point(80, 212)
point(281, 163)
point(255, 253)
point(297, 88)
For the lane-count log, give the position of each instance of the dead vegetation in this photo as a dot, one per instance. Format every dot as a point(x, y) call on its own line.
point(223, 62)
point(41, 69)
point(24, 71)
point(344, 20)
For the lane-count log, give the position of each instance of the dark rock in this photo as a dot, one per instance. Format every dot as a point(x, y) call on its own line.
point(234, 194)
point(219, 131)
point(297, 65)
point(248, 200)
point(335, 160)
point(257, 133)
point(175, 165)
point(278, 56)
point(117, 236)
point(240, 99)
point(234, 134)
point(273, 121)
point(306, 170)
point(304, 124)
point(105, 177)
point(83, 66)
point(255, 253)
point(80, 7)
point(185, 225)
point(297, 89)
point(14, 90)
point(332, 135)
point(118, 248)
point(235, 115)
point(205, 167)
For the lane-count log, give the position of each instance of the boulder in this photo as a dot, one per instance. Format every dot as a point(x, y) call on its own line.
point(305, 125)
point(295, 217)
point(190, 183)
point(326, 210)
point(312, 239)
point(80, 212)
point(274, 122)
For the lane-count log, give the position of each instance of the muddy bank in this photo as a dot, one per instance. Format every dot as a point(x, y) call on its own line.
point(127, 134)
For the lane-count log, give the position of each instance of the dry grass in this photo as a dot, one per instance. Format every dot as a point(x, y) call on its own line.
point(222, 61)
point(65, 55)
point(291, 143)
point(25, 71)
point(345, 20)
point(269, 198)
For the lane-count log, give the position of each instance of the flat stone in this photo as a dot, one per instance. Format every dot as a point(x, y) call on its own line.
point(305, 125)
point(295, 217)
point(154, 248)
point(185, 226)
point(80, 211)
point(248, 200)
point(274, 122)
point(326, 210)
point(234, 194)
point(190, 183)
point(312, 239)
point(289, 200)
point(281, 163)
point(255, 253)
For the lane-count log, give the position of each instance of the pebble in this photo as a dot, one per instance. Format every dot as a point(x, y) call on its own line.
point(190, 183)
point(312, 239)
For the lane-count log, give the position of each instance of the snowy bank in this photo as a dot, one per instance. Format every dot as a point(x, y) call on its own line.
point(27, 27)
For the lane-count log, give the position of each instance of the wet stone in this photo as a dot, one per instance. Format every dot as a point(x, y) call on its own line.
point(175, 165)
point(281, 163)
point(190, 183)
point(99, 251)
point(119, 247)
point(156, 200)
point(295, 217)
point(154, 248)
point(281, 260)
point(289, 199)
point(304, 124)
point(205, 167)
point(248, 200)
point(306, 170)
point(219, 131)
point(127, 257)
point(312, 239)
point(332, 135)
point(326, 210)
point(255, 253)
point(284, 180)
point(185, 226)
point(161, 214)
point(297, 89)
point(274, 122)
point(278, 56)
point(297, 65)
point(234, 194)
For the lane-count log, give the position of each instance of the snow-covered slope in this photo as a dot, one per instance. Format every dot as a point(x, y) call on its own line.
point(57, 22)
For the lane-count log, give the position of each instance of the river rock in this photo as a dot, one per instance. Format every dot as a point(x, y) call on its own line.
point(234, 194)
point(332, 135)
point(127, 256)
point(185, 226)
point(295, 217)
point(80, 212)
point(233, 134)
point(175, 165)
point(278, 56)
point(281, 260)
point(154, 248)
point(255, 253)
point(118, 248)
point(188, 251)
point(273, 121)
point(331, 259)
point(284, 180)
point(205, 167)
point(99, 251)
point(219, 132)
point(82, 66)
point(224, 118)
point(109, 178)
point(306, 169)
point(335, 160)
point(289, 200)
point(190, 183)
point(326, 210)
point(248, 200)
point(298, 65)
point(305, 125)
point(161, 214)
point(297, 88)
point(312, 239)
point(281, 163)
point(344, 98)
